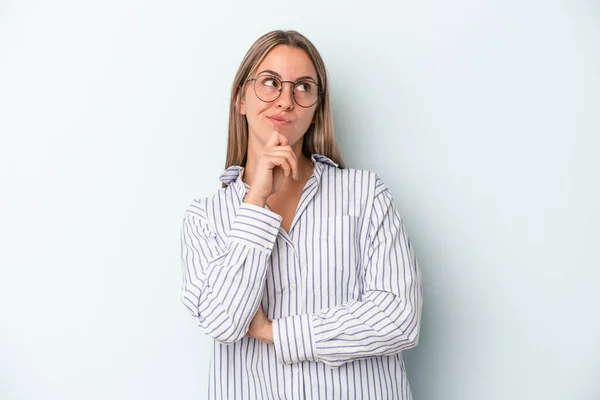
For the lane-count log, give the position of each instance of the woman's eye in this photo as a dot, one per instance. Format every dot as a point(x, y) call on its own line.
point(303, 87)
point(272, 82)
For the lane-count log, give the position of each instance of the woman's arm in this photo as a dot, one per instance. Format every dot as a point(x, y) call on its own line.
point(223, 283)
point(385, 321)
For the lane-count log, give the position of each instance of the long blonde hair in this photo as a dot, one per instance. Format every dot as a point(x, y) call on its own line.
point(320, 136)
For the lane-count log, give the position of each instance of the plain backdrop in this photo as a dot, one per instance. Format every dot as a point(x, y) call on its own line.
point(482, 117)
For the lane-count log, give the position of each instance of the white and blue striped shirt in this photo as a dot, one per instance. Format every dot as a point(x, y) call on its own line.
point(343, 289)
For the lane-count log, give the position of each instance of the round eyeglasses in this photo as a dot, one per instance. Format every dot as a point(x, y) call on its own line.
point(268, 88)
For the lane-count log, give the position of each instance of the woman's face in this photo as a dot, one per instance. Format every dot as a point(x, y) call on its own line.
point(284, 114)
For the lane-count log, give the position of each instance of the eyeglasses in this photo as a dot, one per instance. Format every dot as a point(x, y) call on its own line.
point(268, 88)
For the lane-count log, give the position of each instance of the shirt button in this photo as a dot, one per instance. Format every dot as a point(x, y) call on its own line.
point(295, 370)
point(292, 286)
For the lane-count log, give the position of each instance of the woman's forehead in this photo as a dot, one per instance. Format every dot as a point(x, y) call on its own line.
point(290, 63)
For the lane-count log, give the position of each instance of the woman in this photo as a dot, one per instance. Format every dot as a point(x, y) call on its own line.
point(299, 268)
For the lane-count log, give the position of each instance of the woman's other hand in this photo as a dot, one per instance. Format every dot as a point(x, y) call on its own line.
point(261, 328)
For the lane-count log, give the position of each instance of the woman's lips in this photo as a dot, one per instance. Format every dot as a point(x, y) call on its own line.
point(278, 121)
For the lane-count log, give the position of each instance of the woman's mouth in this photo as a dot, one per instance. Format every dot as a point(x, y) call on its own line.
point(279, 121)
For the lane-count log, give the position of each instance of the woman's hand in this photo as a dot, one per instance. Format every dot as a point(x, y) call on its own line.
point(276, 162)
point(261, 328)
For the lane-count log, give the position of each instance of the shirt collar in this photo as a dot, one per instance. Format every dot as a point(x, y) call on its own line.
point(236, 172)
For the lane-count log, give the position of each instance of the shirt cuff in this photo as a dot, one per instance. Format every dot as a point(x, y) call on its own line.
point(294, 339)
point(255, 226)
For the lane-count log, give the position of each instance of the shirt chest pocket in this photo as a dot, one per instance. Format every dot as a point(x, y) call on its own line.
point(334, 266)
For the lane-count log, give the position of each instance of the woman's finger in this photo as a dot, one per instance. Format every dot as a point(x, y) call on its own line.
point(277, 139)
point(282, 151)
point(280, 161)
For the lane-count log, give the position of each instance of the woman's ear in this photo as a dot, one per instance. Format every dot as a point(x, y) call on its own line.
point(241, 103)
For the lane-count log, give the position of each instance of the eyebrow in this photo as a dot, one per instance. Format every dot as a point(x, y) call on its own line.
point(279, 76)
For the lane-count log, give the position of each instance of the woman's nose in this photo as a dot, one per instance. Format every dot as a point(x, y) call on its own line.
point(286, 98)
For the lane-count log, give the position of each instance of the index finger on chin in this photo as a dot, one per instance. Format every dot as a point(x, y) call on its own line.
point(275, 139)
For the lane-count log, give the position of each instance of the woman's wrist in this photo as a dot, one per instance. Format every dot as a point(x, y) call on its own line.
point(257, 201)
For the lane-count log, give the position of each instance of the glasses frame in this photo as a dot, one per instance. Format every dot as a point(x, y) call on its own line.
point(319, 90)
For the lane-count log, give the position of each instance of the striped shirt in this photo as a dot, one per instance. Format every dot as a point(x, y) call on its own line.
point(342, 287)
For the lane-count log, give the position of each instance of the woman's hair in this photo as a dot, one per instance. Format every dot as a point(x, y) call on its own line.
point(320, 136)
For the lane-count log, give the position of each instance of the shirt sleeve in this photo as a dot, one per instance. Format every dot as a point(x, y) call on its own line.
point(384, 321)
point(223, 280)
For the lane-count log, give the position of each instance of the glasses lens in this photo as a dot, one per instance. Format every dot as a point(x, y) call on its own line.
point(306, 93)
point(267, 87)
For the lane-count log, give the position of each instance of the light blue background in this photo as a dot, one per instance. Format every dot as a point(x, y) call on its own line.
point(482, 117)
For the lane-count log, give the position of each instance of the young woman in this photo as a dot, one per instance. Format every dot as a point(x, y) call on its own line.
point(299, 268)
